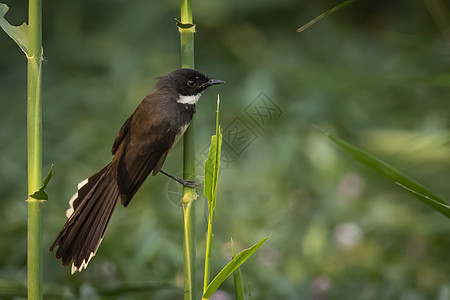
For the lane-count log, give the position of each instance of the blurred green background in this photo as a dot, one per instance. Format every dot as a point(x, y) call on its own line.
point(376, 73)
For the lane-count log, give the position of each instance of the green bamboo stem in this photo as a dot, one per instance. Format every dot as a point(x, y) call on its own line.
point(34, 140)
point(189, 195)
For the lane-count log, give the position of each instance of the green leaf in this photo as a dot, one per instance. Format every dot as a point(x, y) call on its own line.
point(328, 12)
point(231, 267)
point(414, 187)
point(41, 194)
point(237, 276)
point(212, 164)
point(422, 197)
point(184, 25)
point(18, 33)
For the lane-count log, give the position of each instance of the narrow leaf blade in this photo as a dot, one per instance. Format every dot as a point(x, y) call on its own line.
point(417, 189)
point(210, 190)
point(41, 194)
point(238, 260)
point(426, 198)
point(210, 168)
point(18, 33)
point(323, 15)
point(237, 276)
point(212, 164)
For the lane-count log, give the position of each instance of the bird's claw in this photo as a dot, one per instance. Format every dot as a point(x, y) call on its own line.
point(189, 183)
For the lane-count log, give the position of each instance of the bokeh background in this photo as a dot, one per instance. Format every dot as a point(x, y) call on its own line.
point(376, 73)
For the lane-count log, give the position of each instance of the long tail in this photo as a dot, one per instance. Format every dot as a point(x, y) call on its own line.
point(90, 211)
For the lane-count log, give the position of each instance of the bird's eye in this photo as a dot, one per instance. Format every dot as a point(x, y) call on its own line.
point(191, 83)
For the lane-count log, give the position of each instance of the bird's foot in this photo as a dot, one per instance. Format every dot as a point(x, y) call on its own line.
point(188, 183)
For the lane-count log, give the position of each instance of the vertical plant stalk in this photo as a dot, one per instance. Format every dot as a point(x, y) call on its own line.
point(189, 194)
point(211, 178)
point(209, 240)
point(34, 142)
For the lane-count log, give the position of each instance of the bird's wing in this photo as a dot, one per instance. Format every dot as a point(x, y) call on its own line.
point(120, 136)
point(143, 152)
point(160, 163)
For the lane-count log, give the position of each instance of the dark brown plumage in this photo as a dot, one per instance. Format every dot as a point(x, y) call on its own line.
point(141, 146)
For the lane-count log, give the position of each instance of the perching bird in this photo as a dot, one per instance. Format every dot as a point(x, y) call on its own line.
point(140, 147)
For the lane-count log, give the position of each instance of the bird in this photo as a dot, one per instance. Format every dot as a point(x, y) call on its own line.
point(140, 148)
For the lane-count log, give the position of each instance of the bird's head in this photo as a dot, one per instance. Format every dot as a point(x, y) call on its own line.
point(188, 83)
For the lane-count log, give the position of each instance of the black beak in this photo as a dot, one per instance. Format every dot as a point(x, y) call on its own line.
point(212, 82)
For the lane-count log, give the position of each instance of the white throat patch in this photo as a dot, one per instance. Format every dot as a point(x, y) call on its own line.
point(189, 99)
